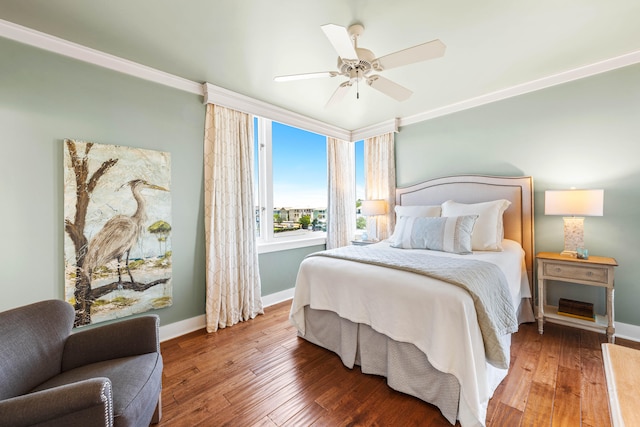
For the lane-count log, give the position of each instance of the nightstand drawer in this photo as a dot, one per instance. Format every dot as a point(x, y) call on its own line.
point(562, 271)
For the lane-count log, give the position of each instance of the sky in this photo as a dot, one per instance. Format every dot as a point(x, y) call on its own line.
point(300, 168)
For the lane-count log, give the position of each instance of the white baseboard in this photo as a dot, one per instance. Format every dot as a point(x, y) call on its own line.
point(278, 297)
point(627, 331)
point(176, 329)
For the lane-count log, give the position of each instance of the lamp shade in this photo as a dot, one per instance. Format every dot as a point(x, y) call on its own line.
point(574, 202)
point(373, 207)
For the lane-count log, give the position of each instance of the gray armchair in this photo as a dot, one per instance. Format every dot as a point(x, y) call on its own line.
point(104, 376)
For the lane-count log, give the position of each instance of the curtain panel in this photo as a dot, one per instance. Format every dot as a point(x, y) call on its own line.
point(380, 180)
point(233, 291)
point(341, 209)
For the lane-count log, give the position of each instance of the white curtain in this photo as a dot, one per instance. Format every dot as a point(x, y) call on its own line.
point(341, 210)
point(380, 180)
point(232, 276)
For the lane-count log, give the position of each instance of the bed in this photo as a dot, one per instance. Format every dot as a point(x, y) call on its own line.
point(429, 334)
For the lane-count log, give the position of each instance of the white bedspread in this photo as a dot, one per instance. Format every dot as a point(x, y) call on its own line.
point(437, 317)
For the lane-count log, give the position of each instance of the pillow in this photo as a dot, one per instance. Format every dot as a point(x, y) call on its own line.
point(488, 231)
point(418, 210)
point(451, 234)
point(431, 210)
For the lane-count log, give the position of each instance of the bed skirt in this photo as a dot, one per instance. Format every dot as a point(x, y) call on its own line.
point(406, 368)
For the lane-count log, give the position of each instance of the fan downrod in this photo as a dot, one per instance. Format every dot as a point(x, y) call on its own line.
point(355, 31)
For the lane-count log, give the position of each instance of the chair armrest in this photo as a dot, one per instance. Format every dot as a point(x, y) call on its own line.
point(126, 338)
point(87, 402)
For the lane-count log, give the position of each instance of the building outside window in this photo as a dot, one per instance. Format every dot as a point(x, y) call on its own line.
point(290, 182)
point(290, 178)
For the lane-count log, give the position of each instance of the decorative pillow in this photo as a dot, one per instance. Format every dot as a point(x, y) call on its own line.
point(451, 234)
point(488, 231)
point(433, 210)
point(430, 210)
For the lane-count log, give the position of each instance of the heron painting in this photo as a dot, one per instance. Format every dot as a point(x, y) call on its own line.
point(117, 211)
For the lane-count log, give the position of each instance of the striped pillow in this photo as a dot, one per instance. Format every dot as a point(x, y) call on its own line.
point(446, 234)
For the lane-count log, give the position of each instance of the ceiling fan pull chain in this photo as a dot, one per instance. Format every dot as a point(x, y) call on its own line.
point(357, 84)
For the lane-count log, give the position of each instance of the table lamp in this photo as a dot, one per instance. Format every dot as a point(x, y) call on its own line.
point(370, 208)
point(574, 205)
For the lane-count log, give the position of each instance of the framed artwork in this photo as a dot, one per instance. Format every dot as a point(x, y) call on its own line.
point(117, 247)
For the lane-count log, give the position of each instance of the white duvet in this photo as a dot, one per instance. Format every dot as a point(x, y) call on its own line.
point(437, 317)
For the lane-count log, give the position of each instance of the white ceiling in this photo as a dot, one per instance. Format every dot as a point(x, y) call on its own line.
point(241, 45)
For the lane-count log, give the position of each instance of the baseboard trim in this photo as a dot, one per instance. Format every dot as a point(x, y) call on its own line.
point(174, 330)
point(182, 327)
point(278, 297)
point(627, 331)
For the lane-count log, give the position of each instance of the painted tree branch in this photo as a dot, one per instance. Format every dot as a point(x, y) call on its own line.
point(75, 229)
point(114, 286)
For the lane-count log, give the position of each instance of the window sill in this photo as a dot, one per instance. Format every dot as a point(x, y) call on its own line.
point(285, 244)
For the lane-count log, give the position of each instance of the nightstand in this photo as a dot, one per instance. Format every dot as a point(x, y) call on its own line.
point(595, 271)
point(362, 242)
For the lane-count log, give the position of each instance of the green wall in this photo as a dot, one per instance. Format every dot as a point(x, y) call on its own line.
point(582, 134)
point(278, 270)
point(45, 98)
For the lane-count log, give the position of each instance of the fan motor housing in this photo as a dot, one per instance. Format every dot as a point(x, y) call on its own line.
point(361, 65)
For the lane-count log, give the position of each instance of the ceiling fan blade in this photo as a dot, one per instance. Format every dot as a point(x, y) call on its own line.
point(305, 76)
point(422, 52)
point(340, 92)
point(389, 88)
point(340, 40)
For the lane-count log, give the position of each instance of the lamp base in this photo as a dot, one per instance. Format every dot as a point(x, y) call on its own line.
point(573, 235)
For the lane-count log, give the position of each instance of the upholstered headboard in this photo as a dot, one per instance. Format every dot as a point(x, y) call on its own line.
point(518, 218)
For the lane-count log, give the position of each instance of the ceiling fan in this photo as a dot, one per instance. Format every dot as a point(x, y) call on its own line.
point(357, 63)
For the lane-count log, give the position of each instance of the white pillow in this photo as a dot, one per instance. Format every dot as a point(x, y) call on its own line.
point(488, 231)
point(433, 210)
point(450, 234)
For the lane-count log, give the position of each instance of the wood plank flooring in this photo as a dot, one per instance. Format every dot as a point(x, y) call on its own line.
point(259, 373)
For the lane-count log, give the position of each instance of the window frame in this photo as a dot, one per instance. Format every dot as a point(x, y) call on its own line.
point(266, 240)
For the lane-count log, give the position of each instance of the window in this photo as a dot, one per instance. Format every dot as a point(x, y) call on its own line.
point(361, 221)
point(290, 183)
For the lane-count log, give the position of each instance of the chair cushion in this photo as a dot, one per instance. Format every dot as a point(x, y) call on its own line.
point(32, 338)
point(136, 382)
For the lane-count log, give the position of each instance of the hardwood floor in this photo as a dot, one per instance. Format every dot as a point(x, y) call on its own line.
point(259, 373)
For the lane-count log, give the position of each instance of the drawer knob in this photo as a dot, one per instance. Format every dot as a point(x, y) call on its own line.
point(589, 273)
point(557, 270)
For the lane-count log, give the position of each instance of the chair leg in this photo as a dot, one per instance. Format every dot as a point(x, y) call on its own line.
point(158, 412)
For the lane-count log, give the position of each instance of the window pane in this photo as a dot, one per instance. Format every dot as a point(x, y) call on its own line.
point(361, 222)
point(299, 161)
point(256, 174)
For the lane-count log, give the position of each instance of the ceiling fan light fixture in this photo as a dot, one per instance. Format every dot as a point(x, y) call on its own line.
point(357, 63)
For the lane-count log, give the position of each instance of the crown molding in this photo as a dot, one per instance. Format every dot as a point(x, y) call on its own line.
point(227, 98)
point(388, 126)
point(224, 97)
point(231, 99)
point(60, 46)
point(528, 87)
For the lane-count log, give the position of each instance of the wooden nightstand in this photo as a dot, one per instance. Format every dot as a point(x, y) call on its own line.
point(595, 271)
